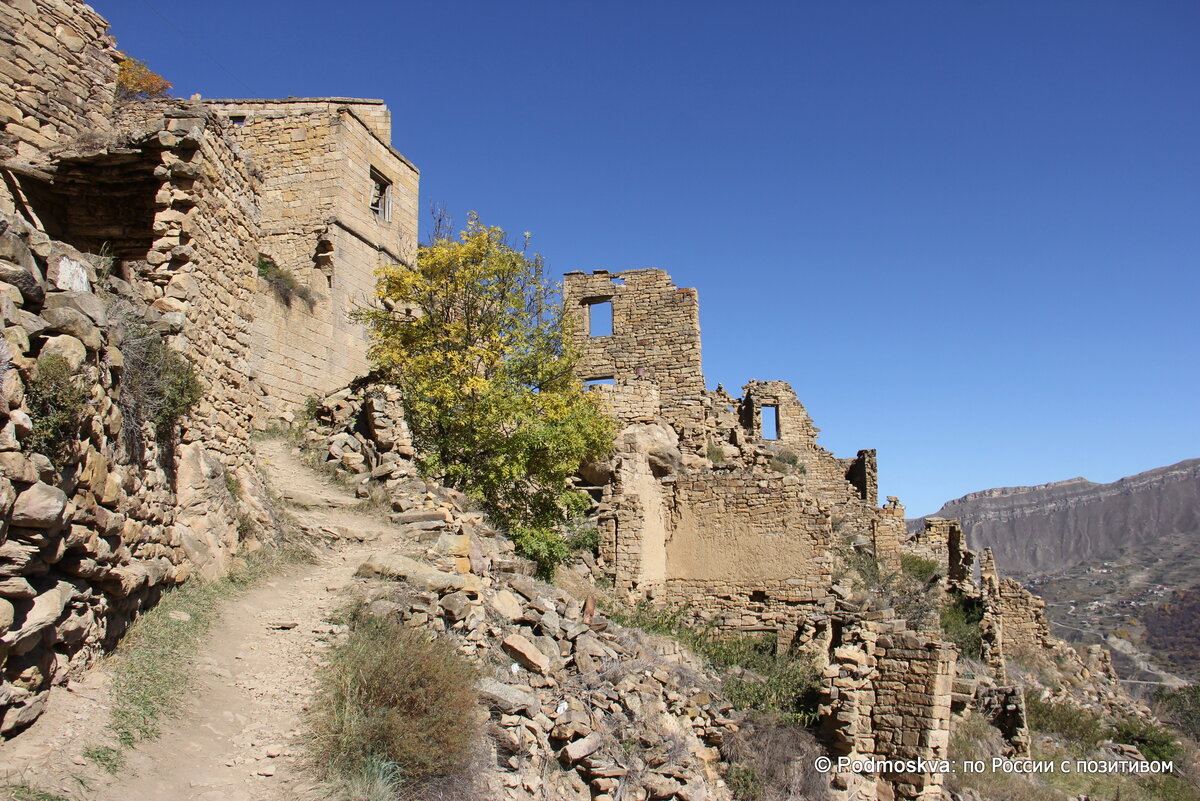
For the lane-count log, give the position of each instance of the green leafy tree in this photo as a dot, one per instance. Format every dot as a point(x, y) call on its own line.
point(477, 341)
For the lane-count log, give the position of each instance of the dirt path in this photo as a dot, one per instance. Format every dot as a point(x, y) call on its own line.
point(238, 738)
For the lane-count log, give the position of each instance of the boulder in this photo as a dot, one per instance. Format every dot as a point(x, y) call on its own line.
point(71, 321)
point(506, 698)
point(40, 506)
point(506, 605)
point(83, 302)
point(573, 752)
point(68, 347)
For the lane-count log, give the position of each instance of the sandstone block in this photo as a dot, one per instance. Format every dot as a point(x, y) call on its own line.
point(526, 654)
point(40, 506)
point(67, 346)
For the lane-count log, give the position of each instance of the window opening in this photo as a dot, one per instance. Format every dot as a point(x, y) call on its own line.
point(770, 422)
point(600, 318)
point(238, 119)
point(599, 382)
point(381, 195)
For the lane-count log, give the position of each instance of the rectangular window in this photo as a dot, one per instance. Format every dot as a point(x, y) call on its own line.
point(599, 382)
point(238, 119)
point(600, 318)
point(381, 196)
point(770, 422)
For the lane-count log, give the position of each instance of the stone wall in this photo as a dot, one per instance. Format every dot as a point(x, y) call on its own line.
point(698, 506)
point(58, 73)
point(95, 529)
point(318, 158)
point(887, 696)
point(1024, 617)
point(150, 216)
point(655, 335)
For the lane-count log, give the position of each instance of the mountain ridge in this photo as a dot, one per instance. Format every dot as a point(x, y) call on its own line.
point(1044, 527)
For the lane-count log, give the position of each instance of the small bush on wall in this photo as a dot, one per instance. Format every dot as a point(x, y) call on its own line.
point(57, 401)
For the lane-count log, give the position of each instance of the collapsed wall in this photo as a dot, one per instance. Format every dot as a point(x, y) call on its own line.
point(729, 508)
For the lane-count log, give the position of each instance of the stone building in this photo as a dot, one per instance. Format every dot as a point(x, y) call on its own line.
point(161, 215)
point(337, 202)
point(729, 508)
point(705, 507)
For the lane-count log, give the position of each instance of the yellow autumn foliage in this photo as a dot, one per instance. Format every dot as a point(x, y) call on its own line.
point(476, 338)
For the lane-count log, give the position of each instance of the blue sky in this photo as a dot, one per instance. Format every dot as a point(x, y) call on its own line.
point(968, 233)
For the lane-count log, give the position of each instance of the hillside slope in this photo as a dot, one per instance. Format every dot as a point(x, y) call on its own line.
point(1039, 529)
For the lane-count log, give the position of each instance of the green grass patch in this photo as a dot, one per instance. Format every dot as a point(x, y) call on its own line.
point(756, 675)
point(23, 792)
point(1079, 727)
point(107, 758)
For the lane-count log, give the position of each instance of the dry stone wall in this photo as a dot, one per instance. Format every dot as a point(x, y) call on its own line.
point(150, 216)
point(92, 532)
point(58, 71)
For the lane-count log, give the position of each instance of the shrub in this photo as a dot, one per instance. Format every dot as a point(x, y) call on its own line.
point(771, 760)
point(715, 454)
point(1080, 727)
point(917, 568)
point(58, 402)
point(1181, 706)
point(283, 283)
point(758, 675)
point(394, 707)
point(544, 546)
point(583, 536)
point(744, 783)
point(1152, 740)
point(159, 385)
point(136, 81)
point(478, 342)
point(960, 619)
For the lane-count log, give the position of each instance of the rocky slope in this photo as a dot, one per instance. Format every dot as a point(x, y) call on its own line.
point(1034, 530)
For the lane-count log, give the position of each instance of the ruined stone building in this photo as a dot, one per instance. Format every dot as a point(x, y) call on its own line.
point(728, 507)
point(243, 232)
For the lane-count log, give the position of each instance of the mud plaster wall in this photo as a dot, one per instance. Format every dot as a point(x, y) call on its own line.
point(316, 157)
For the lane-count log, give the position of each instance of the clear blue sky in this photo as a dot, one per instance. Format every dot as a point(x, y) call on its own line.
point(967, 232)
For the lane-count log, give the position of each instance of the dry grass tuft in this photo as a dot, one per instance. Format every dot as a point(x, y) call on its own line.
point(397, 713)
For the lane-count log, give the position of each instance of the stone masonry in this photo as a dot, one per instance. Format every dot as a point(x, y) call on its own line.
point(157, 213)
point(322, 160)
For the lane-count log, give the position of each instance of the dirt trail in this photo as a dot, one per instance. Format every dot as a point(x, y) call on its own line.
point(238, 736)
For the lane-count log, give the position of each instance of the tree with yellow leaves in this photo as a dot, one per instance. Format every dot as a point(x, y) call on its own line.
point(476, 340)
point(136, 81)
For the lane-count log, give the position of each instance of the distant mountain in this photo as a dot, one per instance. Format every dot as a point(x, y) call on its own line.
point(1036, 530)
point(1117, 564)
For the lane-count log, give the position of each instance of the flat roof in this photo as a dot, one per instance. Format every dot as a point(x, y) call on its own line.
point(245, 101)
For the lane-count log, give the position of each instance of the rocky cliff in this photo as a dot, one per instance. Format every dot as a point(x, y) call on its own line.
point(1053, 526)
